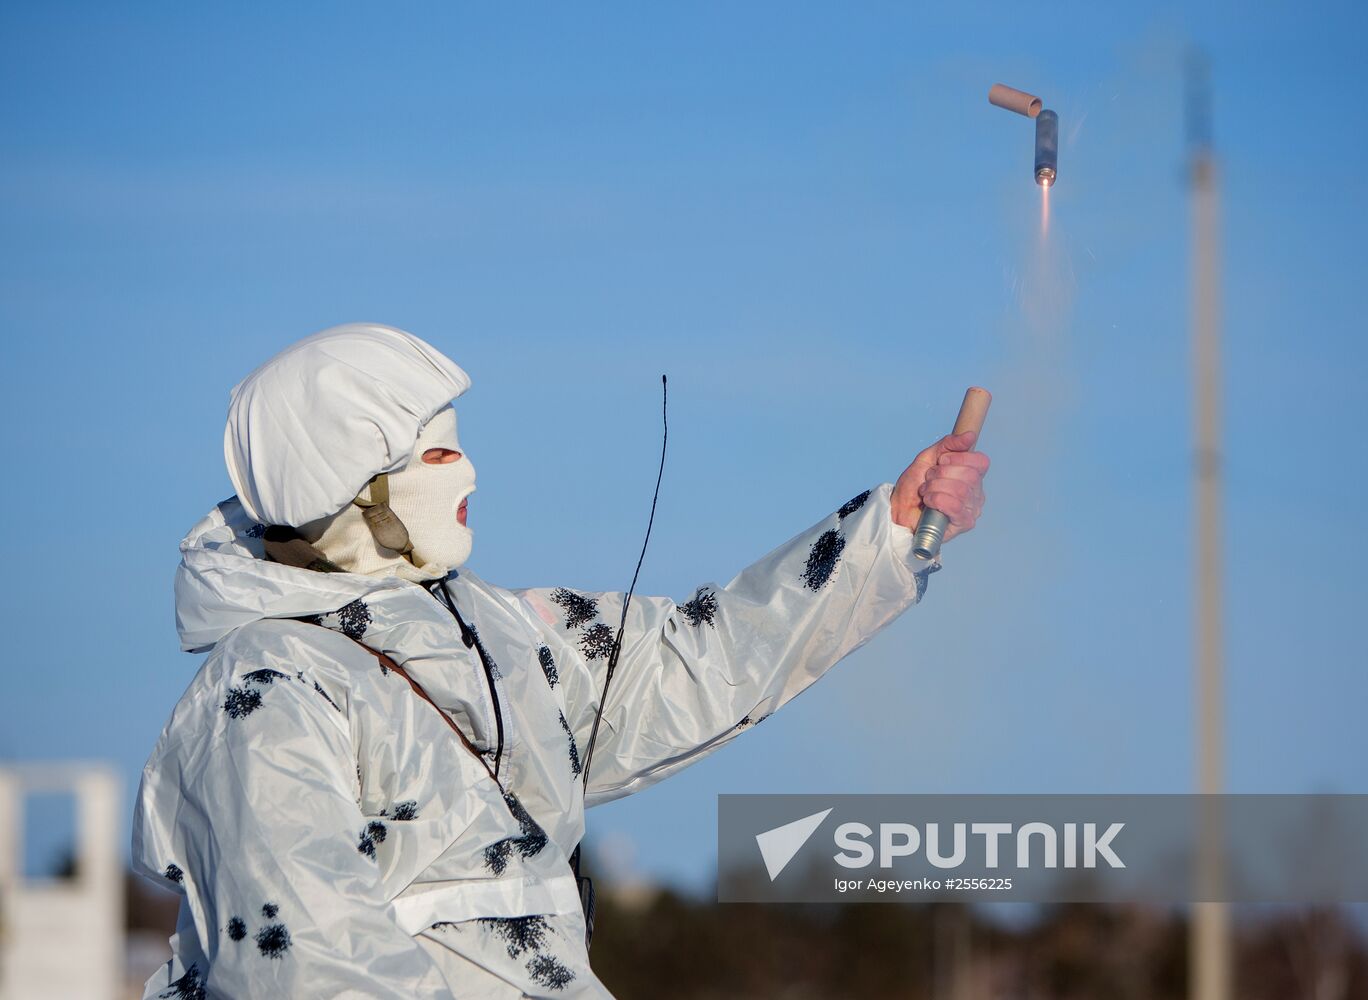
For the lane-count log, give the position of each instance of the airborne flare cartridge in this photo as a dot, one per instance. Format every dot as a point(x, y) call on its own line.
point(1046, 148)
point(1046, 128)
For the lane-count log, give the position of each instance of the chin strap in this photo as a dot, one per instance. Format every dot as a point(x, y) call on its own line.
point(283, 545)
point(385, 526)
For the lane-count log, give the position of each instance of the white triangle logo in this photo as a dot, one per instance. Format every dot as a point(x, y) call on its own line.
point(778, 846)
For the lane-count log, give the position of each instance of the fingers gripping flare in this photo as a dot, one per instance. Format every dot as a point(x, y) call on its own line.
point(946, 487)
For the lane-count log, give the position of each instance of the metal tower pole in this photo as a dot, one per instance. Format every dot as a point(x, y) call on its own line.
point(1210, 972)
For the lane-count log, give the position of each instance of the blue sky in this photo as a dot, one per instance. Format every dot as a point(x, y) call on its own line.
point(810, 218)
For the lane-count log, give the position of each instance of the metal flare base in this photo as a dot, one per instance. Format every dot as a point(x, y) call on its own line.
point(930, 533)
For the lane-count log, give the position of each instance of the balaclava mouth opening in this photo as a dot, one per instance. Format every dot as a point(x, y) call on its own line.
point(424, 497)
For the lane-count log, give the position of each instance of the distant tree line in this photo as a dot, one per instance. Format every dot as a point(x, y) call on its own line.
point(661, 945)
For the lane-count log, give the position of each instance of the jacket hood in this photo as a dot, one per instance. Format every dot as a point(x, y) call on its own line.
point(224, 581)
point(309, 428)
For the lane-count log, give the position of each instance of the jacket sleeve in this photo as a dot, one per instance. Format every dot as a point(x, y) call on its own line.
point(692, 676)
point(256, 820)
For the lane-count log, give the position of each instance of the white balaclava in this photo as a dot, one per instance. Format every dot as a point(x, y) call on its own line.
point(426, 498)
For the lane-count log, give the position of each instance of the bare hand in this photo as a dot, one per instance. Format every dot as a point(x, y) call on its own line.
point(947, 477)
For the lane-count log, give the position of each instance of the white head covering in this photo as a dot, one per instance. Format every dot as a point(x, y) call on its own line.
point(309, 428)
point(426, 498)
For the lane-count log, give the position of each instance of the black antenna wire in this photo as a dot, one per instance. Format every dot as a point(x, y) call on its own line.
point(622, 625)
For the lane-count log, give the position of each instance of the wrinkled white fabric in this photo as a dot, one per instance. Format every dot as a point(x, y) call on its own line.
point(331, 837)
point(309, 428)
point(426, 498)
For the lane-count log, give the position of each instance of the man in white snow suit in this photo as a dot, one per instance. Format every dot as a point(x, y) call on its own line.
point(374, 784)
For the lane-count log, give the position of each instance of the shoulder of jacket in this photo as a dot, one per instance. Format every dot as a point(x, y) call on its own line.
point(280, 643)
point(247, 665)
point(328, 663)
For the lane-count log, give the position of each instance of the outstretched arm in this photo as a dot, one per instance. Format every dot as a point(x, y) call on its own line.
point(693, 675)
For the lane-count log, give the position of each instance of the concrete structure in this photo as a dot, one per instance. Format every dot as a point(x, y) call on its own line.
point(62, 937)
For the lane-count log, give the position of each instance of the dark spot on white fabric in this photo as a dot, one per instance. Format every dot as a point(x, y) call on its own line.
point(548, 665)
point(531, 830)
point(354, 619)
point(484, 653)
point(578, 608)
point(405, 811)
point(852, 505)
point(701, 609)
point(496, 855)
point(597, 642)
point(575, 766)
point(519, 934)
point(273, 940)
point(269, 911)
point(241, 702)
point(263, 676)
point(921, 580)
point(530, 843)
point(374, 833)
point(187, 987)
point(174, 873)
point(237, 928)
point(319, 688)
point(821, 561)
point(547, 971)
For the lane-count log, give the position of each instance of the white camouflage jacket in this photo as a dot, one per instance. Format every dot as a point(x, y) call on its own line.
point(329, 834)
